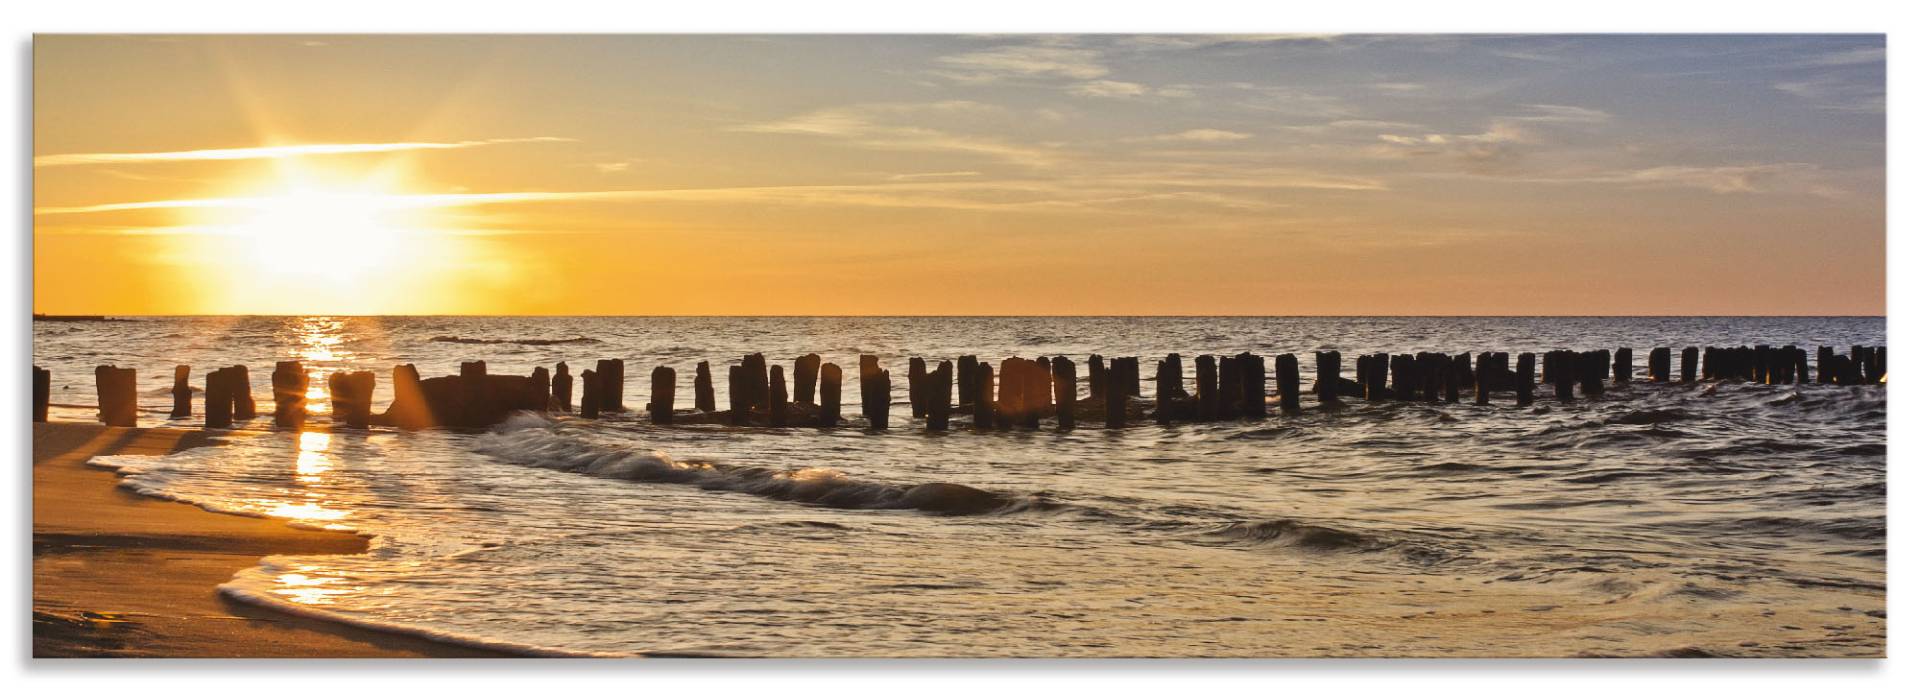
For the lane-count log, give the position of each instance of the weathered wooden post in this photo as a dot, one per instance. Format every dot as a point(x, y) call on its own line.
point(1286, 375)
point(916, 387)
point(1622, 365)
point(1253, 382)
point(219, 395)
point(351, 398)
point(182, 393)
point(1231, 389)
point(806, 372)
point(829, 395)
point(1523, 380)
point(1097, 377)
point(562, 386)
point(1564, 368)
point(1823, 364)
point(590, 396)
point(242, 394)
point(703, 386)
point(1879, 365)
point(409, 409)
point(1206, 386)
point(540, 386)
point(120, 398)
point(42, 392)
point(1689, 358)
point(737, 409)
point(1452, 377)
point(1010, 405)
point(940, 402)
point(969, 366)
point(1040, 390)
point(776, 397)
point(984, 414)
point(1116, 398)
point(1799, 365)
point(290, 394)
point(1065, 390)
point(754, 390)
point(1326, 376)
point(1660, 365)
point(1166, 379)
point(876, 392)
point(611, 376)
point(1483, 379)
point(661, 405)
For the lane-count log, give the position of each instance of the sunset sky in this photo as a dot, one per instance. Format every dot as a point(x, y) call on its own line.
point(1272, 175)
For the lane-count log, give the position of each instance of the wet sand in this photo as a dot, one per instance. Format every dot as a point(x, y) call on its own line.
point(116, 574)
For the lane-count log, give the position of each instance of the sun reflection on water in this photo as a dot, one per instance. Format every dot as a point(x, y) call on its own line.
point(309, 589)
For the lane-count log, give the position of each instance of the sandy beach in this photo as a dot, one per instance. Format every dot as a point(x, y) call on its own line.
point(116, 574)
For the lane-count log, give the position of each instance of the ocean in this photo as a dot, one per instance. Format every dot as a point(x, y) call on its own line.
point(1665, 519)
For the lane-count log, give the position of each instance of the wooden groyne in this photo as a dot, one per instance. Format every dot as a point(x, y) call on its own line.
point(1024, 392)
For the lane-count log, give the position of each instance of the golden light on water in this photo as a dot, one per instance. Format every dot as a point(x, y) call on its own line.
point(303, 588)
point(313, 461)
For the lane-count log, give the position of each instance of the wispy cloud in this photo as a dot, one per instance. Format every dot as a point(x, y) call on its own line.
point(1203, 135)
point(1051, 58)
point(1834, 94)
point(260, 152)
point(880, 126)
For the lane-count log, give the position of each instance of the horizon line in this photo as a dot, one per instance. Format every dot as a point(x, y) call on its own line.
point(995, 316)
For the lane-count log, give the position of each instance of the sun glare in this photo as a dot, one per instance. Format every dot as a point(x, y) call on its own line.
point(314, 241)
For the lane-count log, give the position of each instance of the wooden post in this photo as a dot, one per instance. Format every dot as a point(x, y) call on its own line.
point(940, 402)
point(1452, 378)
point(1523, 380)
point(1206, 387)
point(611, 378)
point(540, 386)
point(963, 377)
point(219, 399)
point(1660, 365)
point(1823, 364)
point(409, 409)
point(1879, 365)
point(1622, 365)
point(1129, 368)
point(562, 386)
point(806, 372)
point(1483, 379)
point(1286, 375)
point(754, 390)
point(776, 397)
point(1011, 405)
point(42, 392)
point(1039, 391)
point(290, 395)
point(1116, 399)
point(1564, 369)
point(1065, 390)
point(703, 387)
point(1799, 365)
point(876, 392)
point(1166, 379)
point(590, 396)
point(182, 393)
point(1253, 382)
point(916, 385)
point(1326, 376)
point(242, 394)
point(1231, 389)
point(661, 406)
point(1097, 377)
point(984, 414)
point(829, 395)
point(351, 396)
point(738, 412)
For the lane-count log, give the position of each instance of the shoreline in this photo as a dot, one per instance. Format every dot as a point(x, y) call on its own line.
point(117, 574)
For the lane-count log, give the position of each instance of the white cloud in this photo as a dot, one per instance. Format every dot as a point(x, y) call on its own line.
point(875, 126)
point(1025, 61)
point(1201, 135)
point(259, 152)
point(1106, 88)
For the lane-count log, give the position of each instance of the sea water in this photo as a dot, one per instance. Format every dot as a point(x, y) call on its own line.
point(1702, 519)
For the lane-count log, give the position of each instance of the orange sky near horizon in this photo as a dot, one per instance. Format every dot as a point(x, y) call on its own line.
point(948, 175)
